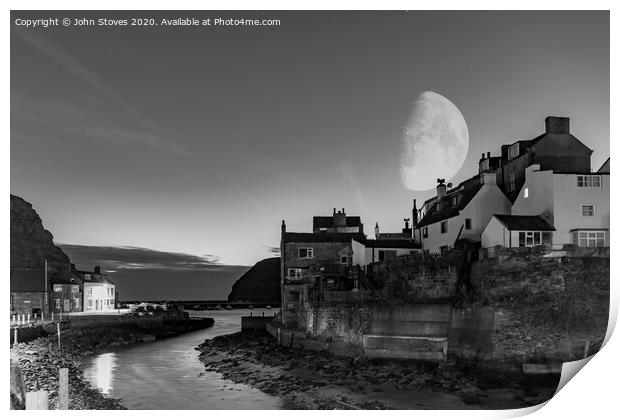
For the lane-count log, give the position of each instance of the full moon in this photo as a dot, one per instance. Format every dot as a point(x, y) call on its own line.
point(435, 142)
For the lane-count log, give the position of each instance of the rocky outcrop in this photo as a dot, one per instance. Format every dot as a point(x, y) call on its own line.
point(31, 243)
point(260, 283)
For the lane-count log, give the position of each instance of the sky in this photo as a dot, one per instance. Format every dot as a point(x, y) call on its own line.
point(200, 140)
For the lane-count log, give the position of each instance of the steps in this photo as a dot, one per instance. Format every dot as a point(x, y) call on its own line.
point(405, 347)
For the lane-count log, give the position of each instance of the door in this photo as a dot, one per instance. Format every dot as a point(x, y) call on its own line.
point(66, 307)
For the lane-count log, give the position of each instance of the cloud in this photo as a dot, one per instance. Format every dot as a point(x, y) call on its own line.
point(274, 250)
point(112, 259)
point(346, 170)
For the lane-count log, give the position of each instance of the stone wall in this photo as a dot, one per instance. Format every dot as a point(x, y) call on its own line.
point(545, 309)
point(418, 277)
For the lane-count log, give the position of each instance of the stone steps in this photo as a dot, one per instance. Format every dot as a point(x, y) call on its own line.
point(405, 347)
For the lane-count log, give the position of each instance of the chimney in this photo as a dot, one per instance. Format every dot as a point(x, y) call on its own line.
point(334, 211)
point(557, 125)
point(97, 270)
point(406, 225)
point(340, 219)
point(414, 214)
point(283, 226)
point(377, 230)
point(482, 156)
point(441, 188)
point(488, 155)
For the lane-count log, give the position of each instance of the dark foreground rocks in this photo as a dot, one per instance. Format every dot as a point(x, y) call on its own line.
point(311, 380)
point(39, 360)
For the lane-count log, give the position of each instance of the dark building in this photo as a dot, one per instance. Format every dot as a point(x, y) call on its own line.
point(338, 222)
point(556, 149)
point(318, 261)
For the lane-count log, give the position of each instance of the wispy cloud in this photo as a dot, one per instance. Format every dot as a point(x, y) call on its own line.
point(119, 258)
point(145, 131)
point(348, 173)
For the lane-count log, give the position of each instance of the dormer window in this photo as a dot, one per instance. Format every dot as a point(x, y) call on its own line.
point(513, 151)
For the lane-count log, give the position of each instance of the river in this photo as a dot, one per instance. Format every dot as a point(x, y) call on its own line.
point(167, 374)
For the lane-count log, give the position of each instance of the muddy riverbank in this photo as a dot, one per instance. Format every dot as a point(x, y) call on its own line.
point(310, 380)
point(39, 360)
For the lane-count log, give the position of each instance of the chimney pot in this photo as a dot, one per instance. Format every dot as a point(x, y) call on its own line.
point(488, 155)
point(482, 156)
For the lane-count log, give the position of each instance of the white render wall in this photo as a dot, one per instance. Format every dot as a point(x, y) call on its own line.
point(558, 199)
point(495, 234)
point(488, 201)
point(100, 293)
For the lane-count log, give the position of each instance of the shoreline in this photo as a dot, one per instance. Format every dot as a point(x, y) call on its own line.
point(306, 379)
point(40, 359)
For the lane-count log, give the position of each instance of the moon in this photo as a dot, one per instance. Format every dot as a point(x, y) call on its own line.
point(435, 142)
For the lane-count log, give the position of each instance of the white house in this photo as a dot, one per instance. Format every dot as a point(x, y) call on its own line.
point(575, 204)
point(462, 212)
point(511, 231)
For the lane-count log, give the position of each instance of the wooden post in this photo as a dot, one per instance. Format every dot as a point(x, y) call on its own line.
point(63, 389)
point(58, 330)
point(36, 400)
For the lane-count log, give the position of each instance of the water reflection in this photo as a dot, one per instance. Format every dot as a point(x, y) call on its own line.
point(167, 374)
point(103, 367)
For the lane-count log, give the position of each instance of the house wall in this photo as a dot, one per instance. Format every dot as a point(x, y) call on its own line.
point(558, 199)
point(293, 290)
point(98, 297)
point(494, 234)
point(488, 201)
point(25, 302)
point(70, 298)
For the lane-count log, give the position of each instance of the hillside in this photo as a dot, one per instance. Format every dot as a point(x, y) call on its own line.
point(31, 243)
point(260, 283)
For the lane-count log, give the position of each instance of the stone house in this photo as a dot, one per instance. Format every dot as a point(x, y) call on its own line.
point(556, 149)
point(315, 262)
point(28, 294)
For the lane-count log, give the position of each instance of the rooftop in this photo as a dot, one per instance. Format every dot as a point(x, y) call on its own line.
point(513, 222)
point(321, 237)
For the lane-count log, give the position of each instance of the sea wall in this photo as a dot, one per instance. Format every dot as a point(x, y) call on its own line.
point(523, 309)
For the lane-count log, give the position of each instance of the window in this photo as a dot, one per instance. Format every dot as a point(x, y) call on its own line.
point(87, 276)
point(587, 210)
point(528, 239)
point(511, 182)
point(344, 259)
point(75, 289)
point(444, 226)
point(76, 303)
point(591, 239)
point(455, 201)
point(467, 224)
point(57, 303)
point(305, 253)
point(513, 151)
point(425, 232)
point(90, 291)
point(90, 303)
point(526, 192)
point(589, 181)
point(294, 273)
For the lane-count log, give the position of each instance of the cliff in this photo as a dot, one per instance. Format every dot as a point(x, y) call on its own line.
point(260, 283)
point(31, 243)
